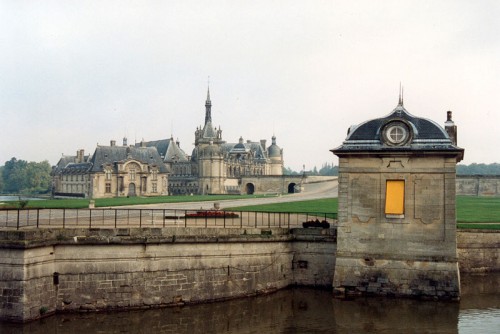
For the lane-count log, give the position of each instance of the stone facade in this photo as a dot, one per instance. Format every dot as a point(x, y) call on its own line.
point(397, 227)
point(214, 167)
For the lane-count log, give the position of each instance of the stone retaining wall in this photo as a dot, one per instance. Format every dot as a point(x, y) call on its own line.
point(478, 185)
point(44, 271)
point(478, 250)
point(48, 270)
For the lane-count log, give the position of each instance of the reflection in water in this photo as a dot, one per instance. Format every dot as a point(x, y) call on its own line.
point(297, 311)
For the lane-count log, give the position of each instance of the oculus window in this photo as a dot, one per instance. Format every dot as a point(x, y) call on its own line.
point(395, 199)
point(396, 133)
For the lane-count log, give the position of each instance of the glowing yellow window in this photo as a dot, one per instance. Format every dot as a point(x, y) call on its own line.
point(395, 197)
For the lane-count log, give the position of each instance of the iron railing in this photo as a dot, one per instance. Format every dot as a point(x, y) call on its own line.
point(118, 218)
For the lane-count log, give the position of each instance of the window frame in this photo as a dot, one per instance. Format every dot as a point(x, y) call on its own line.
point(395, 193)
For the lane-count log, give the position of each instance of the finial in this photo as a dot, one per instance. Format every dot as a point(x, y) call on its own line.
point(400, 102)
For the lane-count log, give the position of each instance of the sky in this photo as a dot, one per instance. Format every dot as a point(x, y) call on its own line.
point(75, 74)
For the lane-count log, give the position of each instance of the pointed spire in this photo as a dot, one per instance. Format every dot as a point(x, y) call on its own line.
point(208, 106)
point(400, 103)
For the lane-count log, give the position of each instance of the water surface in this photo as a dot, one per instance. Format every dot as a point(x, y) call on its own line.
point(297, 310)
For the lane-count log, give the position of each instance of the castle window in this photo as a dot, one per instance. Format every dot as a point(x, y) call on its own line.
point(155, 174)
point(132, 174)
point(395, 199)
point(108, 188)
point(108, 174)
point(154, 187)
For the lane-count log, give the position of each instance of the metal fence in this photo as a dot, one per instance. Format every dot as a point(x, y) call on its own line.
point(118, 218)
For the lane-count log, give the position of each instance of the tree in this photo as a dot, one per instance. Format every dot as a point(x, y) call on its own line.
point(479, 169)
point(19, 176)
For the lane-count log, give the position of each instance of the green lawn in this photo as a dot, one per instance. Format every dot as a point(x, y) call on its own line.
point(471, 209)
point(325, 205)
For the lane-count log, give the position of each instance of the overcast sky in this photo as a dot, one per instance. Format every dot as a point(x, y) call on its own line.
point(77, 73)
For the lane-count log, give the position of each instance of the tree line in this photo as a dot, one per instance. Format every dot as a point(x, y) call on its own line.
point(22, 177)
point(328, 169)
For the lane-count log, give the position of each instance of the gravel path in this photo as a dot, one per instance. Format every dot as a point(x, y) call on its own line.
point(322, 189)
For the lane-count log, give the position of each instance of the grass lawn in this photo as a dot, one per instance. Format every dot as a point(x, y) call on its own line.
point(325, 205)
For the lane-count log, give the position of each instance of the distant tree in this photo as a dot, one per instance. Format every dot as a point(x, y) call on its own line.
point(38, 177)
point(1, 179)
point(289, 171)
point(329, 170)
point(19, 176)
point(479, 169)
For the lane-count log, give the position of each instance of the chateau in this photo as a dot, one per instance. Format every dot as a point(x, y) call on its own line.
point(161, 167)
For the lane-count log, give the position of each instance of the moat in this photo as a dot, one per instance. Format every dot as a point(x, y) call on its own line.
point(297, 310)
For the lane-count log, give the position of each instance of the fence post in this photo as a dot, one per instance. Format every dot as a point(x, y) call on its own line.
point(140, 217)
point(37, 218)
point(163, 217)
point(18, 213)
point(90, 218)
point(185, 218)
point(152, 217)
point(116, 216)
point(64, 218)
point(255, 219)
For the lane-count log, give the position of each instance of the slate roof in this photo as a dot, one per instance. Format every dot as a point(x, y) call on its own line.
point(426, 135)
point(65, 161)
point(274, 150)
point(76, 168)
point(168, 149)
point(104, 155)
point(243, 148)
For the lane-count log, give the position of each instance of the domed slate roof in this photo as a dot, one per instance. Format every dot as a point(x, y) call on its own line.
point(274, 150)
point(398, 131)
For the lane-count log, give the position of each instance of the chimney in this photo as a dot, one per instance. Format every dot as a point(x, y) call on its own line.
point(79, 156)
point(113, 142)
point(451, 128)
point(124, 141)
point(263, 143)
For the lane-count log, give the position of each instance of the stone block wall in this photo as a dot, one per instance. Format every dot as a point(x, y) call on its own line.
point(478, 185)
point(47, 271)
point(478, 250)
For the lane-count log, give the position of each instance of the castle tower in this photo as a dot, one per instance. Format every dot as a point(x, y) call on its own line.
point(397, 224)
point(210, 163)
point(275, 154)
